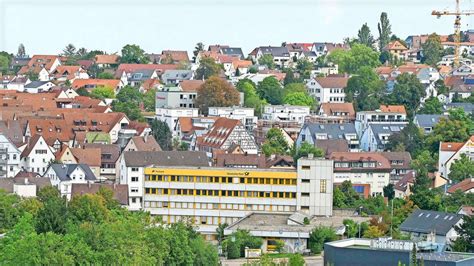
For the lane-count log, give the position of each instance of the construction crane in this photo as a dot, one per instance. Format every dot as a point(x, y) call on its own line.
point(457, 26)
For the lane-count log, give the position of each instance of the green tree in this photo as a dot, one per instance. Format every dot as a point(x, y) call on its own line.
point(373, 232)
point(320, 235)
point(408, 91)
point(267, 60)
point(105, 75)
point(88, 208)
point(461, 169)
point(132, 111)
point(296, 260)
point(199, 48)
point(365, 90)
point(385, 30)
point(294, 87)
point(351, 228)
point(365, 37)
point(409, 139)
point(133, 54)
point(350, 195)
point(389, 191)
point(431, 106)
point(357, 57)
point(9, 215)
point(69, 50)
point(162, 134)
point(103, 92)
point(275, 143)
point(52, 217)
point(270, 90)
point(149, 100)
point(216, 92)
point(237, 242)
point(290, 77)
point(304, 149)
point(432, 50)
point(251, 99)
point(304, 67)
point(207, 68)
point(299, 98)
point(4, 64)
point(128, 101)
point(465, 241)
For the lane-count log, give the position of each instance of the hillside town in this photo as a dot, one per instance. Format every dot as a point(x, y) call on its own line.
point(215, 155)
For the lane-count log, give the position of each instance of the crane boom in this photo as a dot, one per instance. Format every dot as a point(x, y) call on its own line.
point(457, 26)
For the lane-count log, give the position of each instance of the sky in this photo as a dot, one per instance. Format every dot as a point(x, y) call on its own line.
point(47, 26)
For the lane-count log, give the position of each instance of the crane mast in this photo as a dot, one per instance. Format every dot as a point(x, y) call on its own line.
point(457, 27)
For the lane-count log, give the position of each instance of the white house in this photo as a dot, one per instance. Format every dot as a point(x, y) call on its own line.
point(62, 176)
point(38, 86)
point(285, 113)
point(449, 152)
point(36, 155)
point(375, 137)
point(328, 89)
point(171, 115)
point(245, 115)
point(386, 114)
point(281, 55)
point(370, 168)
point(9, 158)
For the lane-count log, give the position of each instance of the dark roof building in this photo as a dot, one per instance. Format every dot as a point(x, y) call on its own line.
point(430, 222)
point(233, 51)
point(64, 171)
point(427, 121)
point(120, 191)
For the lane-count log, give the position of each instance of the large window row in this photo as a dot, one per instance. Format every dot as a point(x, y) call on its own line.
point(218, 179)
point(220, 193)
point(219, 206)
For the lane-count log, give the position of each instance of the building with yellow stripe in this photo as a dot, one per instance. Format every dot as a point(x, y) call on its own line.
point(211, 196)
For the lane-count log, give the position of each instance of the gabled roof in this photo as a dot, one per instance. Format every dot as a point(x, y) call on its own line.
point(38, 62)
point(64, 171)
point(395, 45)
point(160, 68)
point(176, 56)
point(120, 191)
point(393, 109)
point(428, 120)
point(89, 156)
point(425, 221)
point(81, 83)
point(450, 146)
point(7, 184)
point(36, 84)
point(385, 129)
point(333, 131)
point(468, 210)
point(332, 145)
point(465, 185)
point(219, 132)
point(333, 82)
point(146, 143)
point(166, 158)
point(407, 180)
point(106, 149)
point(275, 51)
point(31, 144)
point(331, 108)
point(402, 156)
point(108, 59)
point(232, 51)
point(190, 85)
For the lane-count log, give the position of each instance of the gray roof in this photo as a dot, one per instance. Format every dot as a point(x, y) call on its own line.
point(275, 51)
point(233, 51)
point(427, 120)
point(333, 131)
point(63, 171)
point(6, 184)
point(141, 74)
point(385, 129)
point(423, 221)
point(467, 107)
point(36, 84)
point(403, 156)
point(166, 158)
point(176, 75)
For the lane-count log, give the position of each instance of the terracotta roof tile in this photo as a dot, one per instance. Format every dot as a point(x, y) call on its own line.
point(450, 146)
point(333, 82)
point(106, 59)
point(465, 185)
point(81, 83)
point(190, 85)
point(176, 56)
point(393, 109)
point(89, 156)
point(381, 162)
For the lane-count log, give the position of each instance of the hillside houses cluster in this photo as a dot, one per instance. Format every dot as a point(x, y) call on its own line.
point(48, 130)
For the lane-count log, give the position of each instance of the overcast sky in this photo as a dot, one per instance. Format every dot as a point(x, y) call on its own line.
point(46, 26)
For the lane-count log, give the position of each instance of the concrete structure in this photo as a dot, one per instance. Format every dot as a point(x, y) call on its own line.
point(173, 97)
point(245, 115)
point(171, 115)
point(328, 89)
point(384, 251)
point(285, 113)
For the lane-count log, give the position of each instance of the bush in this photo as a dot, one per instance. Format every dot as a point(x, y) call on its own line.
point(296, 260)
point(319, 236)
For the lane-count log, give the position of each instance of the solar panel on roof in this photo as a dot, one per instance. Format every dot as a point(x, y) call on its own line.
point(395, 128)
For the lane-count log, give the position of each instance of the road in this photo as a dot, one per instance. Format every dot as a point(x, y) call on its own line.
point(310, 261)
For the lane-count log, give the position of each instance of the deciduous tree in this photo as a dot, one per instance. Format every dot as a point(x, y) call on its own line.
point(134, 54)
point(365, 37)
point(216, 92)
point(270, 89)
point(432, 50)
point(207, 68)
point(461, 169)
point(385, 30)
point(267, 60)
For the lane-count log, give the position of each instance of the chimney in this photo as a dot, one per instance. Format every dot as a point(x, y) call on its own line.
point(26, 180)
point(310, 156)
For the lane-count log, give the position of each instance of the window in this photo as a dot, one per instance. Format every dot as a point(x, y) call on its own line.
point(305, 181)
point(134, 169)
point(134, 179)
point(305, 194)
point(305, 167)
point(322, 186)
point(134, 190)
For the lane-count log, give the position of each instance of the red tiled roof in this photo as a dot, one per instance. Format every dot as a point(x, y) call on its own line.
point(393, 109)
point(81, 83)
point(106, 59)
point(37, 62)
point(330, 108)
point(395, 45)
point(333, 82)
point(381, 162)
point(219, 132)
point(89, 156)
point(190, 85)
point(176, 56)
point(450, 146)
point(465, 185)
